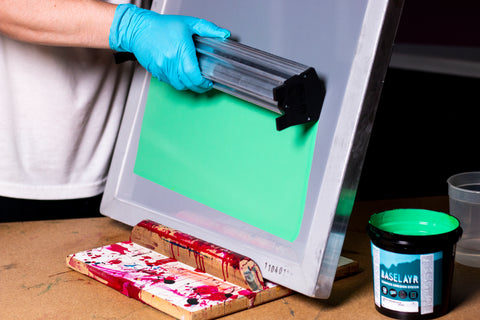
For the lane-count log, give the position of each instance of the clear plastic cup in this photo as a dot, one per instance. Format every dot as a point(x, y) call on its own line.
point(464, 195)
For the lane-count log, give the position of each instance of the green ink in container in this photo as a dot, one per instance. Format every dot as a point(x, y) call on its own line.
point(413, 254)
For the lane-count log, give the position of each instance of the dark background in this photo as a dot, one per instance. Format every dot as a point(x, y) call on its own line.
point(427, 124)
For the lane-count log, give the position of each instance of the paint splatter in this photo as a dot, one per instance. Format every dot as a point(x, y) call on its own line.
point(116, 261)
point(192, 301)
point(201, 250)
point(137, 272)
point(116, 247)
point(169, 280)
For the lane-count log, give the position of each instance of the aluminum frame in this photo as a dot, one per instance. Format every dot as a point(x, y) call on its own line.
point(353, 63)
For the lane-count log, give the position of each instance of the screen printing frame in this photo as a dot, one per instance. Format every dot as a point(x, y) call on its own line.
point(308, 264)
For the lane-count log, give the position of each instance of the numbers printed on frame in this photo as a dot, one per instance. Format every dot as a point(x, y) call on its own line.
point(276, 269)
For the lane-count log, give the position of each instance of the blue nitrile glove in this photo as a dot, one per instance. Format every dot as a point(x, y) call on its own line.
point(163, 44)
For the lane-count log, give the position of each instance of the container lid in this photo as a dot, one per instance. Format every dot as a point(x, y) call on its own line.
point(415, 230)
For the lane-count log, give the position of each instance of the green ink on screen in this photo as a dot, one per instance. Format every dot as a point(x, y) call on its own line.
point(227, 154)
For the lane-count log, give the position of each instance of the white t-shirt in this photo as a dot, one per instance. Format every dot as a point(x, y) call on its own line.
point(60, 110)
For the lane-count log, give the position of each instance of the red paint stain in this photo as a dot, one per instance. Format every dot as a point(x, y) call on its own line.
point(217, 296)
point(199, 248)
point(251, 295)
point(210, 293)
point(203, 290)
point(151, 272)
point(199, 261)
point(247, 293)
point(118, 248)
point(116, 261)
point(117, 282)
point(159, 262)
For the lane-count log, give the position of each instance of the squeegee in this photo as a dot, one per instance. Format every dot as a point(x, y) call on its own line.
point(288, 88)
point(283, 86)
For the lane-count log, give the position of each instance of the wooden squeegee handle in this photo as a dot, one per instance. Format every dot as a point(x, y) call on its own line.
point(199, 254)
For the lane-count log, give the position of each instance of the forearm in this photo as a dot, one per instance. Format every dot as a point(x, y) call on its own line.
point(77, 23)
point(162, 44)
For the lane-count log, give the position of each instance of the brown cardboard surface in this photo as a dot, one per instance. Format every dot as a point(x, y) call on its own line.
point(36, 283)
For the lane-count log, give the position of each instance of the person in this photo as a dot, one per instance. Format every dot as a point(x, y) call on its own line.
point(62, 95)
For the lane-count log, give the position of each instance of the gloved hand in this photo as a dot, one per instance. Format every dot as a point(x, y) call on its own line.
point(163, 44)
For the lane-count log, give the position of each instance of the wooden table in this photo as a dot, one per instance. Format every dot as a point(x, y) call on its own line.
point(36, 283)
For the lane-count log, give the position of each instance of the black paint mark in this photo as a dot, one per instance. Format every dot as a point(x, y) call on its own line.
point(192, 301)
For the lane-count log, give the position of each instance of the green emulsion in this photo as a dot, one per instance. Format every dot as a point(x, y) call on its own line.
point(414, 222)
point(227, 154)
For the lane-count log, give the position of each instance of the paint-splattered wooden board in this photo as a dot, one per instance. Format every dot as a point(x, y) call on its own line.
point(167, 284)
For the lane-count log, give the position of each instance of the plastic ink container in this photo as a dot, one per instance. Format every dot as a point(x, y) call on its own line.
point(413, 254)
